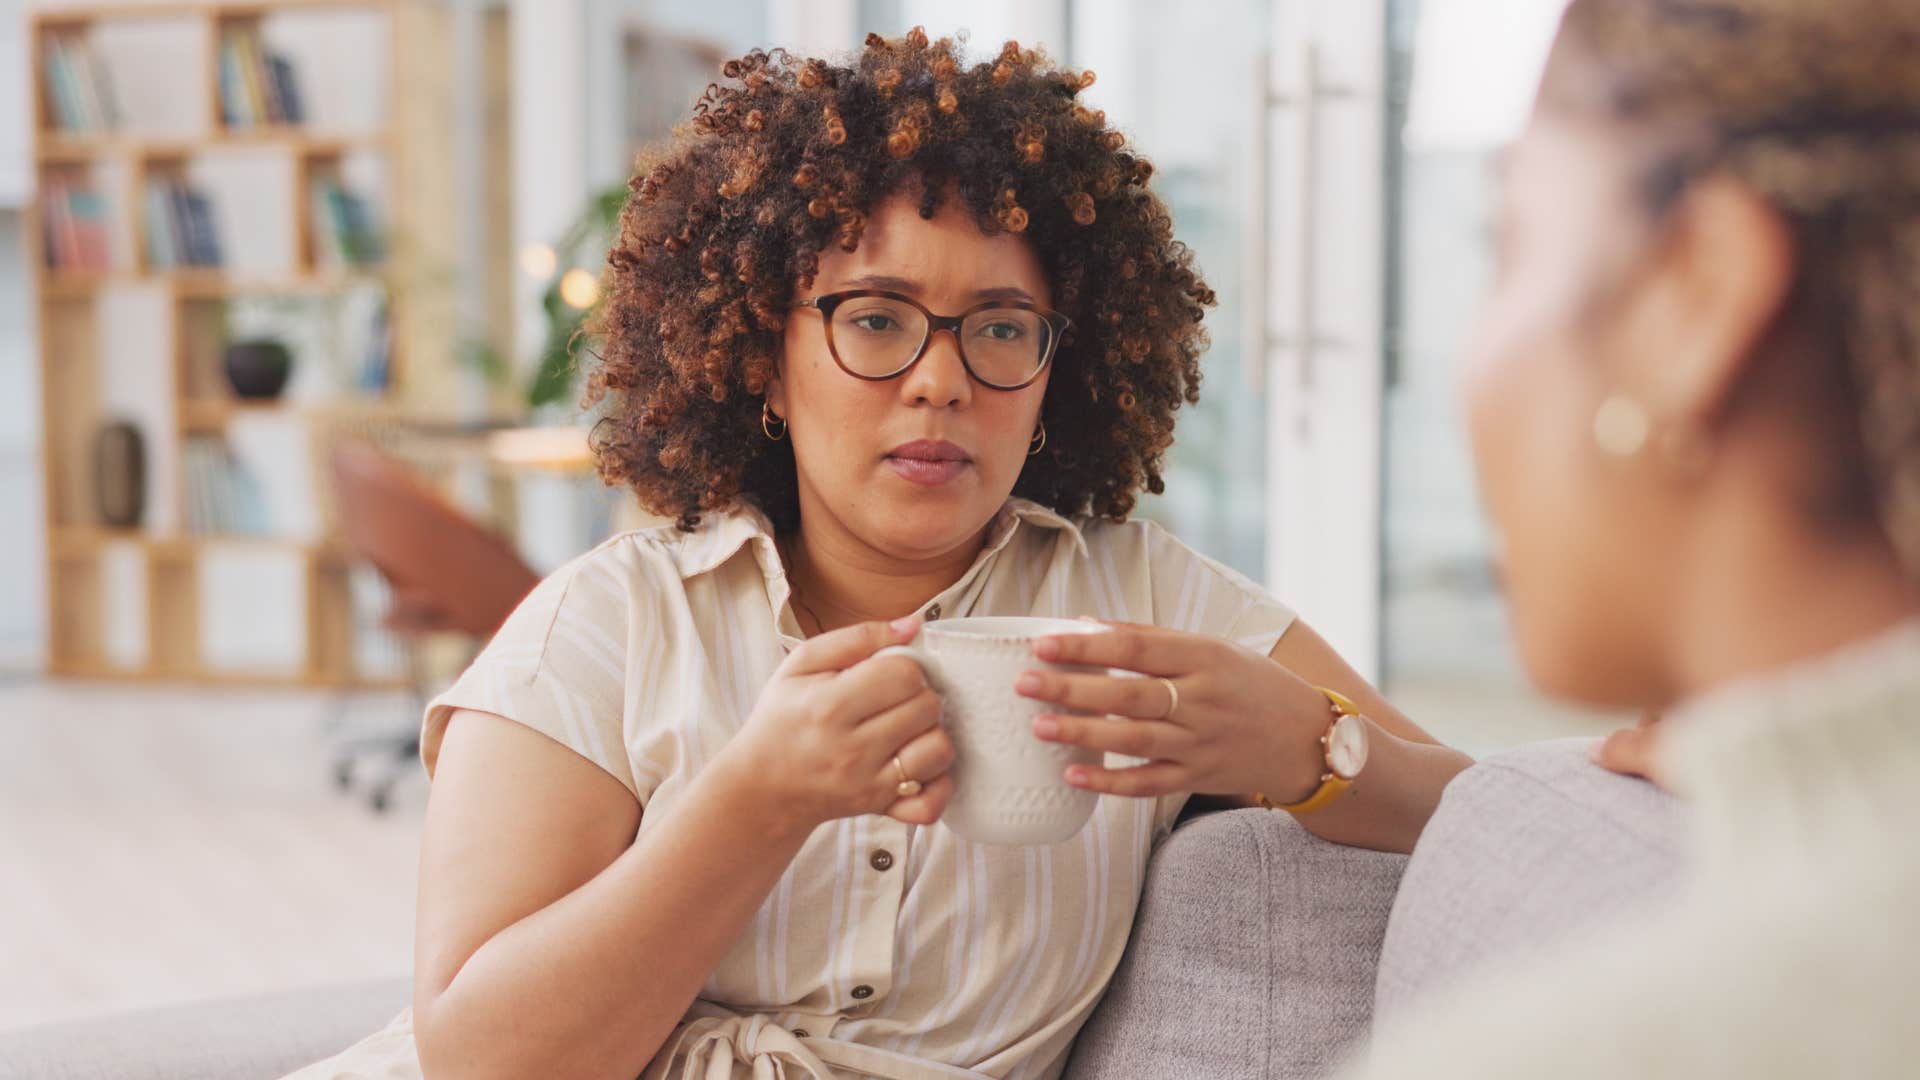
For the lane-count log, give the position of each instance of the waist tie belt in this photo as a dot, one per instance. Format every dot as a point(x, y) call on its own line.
point(718, 1045)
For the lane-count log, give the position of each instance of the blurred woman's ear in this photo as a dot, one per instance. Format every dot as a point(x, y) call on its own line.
point(1721, 279)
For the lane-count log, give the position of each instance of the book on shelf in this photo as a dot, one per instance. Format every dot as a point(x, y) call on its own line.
point(377, 372)
point(223, 497)
point(257, 86)
point(343, 226)
point(78, 235)
point(78, 87)
point(180, 229)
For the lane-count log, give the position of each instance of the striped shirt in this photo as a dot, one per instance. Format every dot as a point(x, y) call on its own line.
point(646, 655)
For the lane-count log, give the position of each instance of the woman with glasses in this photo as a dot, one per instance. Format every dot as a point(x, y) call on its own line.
point(889, 342)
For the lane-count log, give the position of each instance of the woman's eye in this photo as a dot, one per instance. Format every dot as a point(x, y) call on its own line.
point(1002, 331)
point(875, 321)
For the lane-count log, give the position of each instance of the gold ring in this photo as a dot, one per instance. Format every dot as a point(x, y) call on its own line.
point(908, 786)
point(1173, 699)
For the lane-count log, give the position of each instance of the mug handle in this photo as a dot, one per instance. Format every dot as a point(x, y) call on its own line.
point(919, 655)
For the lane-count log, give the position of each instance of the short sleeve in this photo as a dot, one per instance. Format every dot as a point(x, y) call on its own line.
point(557, 665)
point(1193, 593)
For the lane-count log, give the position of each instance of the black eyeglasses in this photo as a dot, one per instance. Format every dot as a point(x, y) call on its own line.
point(874, 335)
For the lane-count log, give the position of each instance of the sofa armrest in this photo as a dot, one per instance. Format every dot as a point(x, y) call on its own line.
point(1526, 848)
point(1252, 955)
point(232, 1039)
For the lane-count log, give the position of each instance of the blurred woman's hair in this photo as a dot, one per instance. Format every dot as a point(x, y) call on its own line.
point(1814, 105)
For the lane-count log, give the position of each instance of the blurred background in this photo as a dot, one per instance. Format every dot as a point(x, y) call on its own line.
point(235, 236)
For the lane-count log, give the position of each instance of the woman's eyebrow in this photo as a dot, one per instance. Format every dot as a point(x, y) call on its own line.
point(889, 283)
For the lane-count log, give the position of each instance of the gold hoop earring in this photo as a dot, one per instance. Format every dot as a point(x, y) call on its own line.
point(767, 420)
point(1039, 442)
point(1621, 426)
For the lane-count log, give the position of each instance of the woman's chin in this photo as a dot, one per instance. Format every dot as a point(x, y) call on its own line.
point(928, 523)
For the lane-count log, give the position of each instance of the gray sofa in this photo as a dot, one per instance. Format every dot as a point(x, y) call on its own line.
point(1259, 951)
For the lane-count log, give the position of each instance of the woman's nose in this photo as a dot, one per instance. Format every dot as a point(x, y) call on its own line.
point(940, 378)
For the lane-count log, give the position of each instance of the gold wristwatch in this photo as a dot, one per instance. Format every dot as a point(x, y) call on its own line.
point(1344, 746)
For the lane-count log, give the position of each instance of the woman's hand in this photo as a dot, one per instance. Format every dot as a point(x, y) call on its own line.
point(1243, 722)
point(822, 740)
point(1633, 751)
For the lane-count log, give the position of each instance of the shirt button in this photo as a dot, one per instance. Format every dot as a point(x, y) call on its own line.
point(862, 992)
point(933, 612)
point(882, 861)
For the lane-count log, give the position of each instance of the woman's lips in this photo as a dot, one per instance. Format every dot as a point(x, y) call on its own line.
point(928, 463)
point(926, 471)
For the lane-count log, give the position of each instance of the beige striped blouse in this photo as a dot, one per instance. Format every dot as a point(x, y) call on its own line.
point(645, 655)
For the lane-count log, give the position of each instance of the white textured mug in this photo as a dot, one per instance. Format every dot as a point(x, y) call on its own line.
point(1008, 787)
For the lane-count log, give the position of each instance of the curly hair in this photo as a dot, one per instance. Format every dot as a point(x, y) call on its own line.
point(787, 155)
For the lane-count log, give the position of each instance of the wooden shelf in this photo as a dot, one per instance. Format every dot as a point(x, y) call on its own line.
point(409, 141)
point(212, 416)
point(57, 148)
point(71, 541)
point(205, 284)
point(107, 12)
point(77, 541)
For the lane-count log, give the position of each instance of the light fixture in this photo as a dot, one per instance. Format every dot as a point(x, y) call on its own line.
point(580, 289)
point(539, 261)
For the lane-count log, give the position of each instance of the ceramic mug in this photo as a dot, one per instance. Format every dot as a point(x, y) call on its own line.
point(1007, 781)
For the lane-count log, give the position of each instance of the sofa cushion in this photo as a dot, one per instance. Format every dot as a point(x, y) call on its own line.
point(1253, 955)
point(1526, 847)
point(232, 1039)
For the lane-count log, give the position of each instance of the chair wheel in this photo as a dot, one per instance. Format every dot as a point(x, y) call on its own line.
point(380, 800)
point(343, 774)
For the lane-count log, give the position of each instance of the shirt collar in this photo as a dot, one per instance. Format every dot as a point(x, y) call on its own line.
point(745, 524)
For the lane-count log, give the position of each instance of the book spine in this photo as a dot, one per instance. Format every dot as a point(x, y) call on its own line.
point(90, 230)
point(161, 252)
point(250, 76)
point(66, 98)
point(80, 64)
point(269, 90)
point(288, 88)
point(205, 242)
point(110, 115)
point(233, 98)
point(68, 230)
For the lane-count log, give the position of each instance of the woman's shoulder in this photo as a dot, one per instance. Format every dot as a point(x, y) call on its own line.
point(664, 556)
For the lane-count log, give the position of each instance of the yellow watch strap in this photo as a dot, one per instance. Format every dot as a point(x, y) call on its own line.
point(1331, 785)
point(1331, 788)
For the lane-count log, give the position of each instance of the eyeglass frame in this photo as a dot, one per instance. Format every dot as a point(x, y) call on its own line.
point(827, 304)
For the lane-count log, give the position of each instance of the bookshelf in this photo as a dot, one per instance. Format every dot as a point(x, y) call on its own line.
point(142, 277)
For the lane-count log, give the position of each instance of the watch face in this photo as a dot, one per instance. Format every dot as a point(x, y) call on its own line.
point(1347, 747)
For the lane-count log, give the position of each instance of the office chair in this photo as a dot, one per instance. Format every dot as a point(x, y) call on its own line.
point(444, 571)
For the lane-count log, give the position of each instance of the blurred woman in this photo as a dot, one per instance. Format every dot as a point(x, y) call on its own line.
point(1695, 402)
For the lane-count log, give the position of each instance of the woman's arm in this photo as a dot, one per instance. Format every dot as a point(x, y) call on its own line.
point(549, 942)
point(1407, 769)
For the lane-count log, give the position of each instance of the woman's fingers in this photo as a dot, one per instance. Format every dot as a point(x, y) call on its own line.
point(1149, 739)
point(873, 687)
point(1147, 781)
point(1144, 649)
point(1631, 752)
point(840, 649)
point(926, 807)
point(925, 758)
point(1143, 699)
